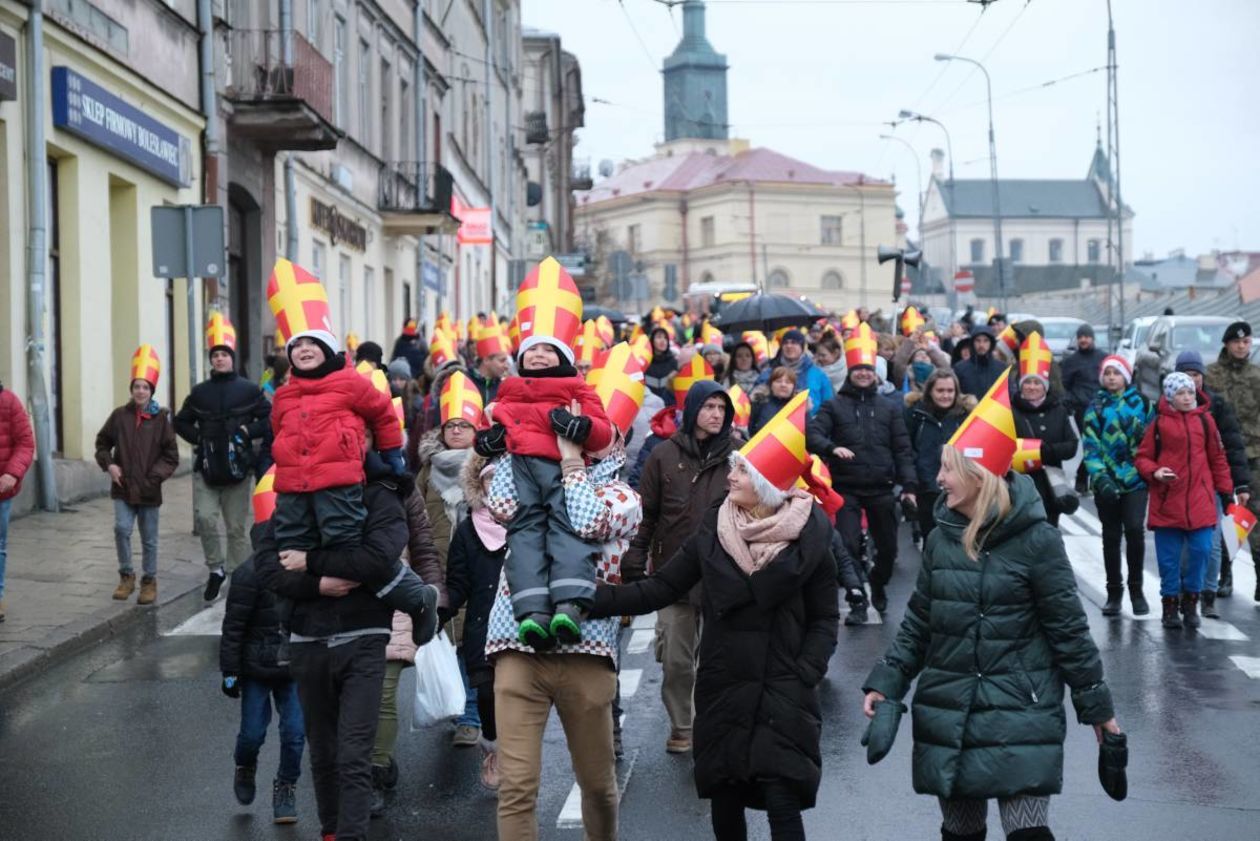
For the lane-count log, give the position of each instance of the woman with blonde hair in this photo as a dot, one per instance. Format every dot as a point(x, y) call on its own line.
point(994, 631)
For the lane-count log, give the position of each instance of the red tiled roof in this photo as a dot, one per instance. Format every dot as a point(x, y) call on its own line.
point(696, 170)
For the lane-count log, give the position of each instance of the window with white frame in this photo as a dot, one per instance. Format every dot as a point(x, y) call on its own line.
point(779, 278)
point(1093, 251)
point(313, 14)
point(977, 251)
point(1017, 251)
point(833, 280)
point(342, 320)
point(387, 126)
point(317, 259)
point(341, 68)
point(634, 239)
point(708, 233)
point(832, 231)
point(369, 299)
point(365, 93)
point(1056, 251)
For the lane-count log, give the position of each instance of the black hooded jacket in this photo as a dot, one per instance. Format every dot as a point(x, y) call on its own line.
point(219, 406)
point(682, 478)
point(254, 642)
point(659, 375)
point(873, 427)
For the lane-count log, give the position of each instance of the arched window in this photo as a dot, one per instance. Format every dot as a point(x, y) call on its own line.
point(833, 280)
point(779, 278)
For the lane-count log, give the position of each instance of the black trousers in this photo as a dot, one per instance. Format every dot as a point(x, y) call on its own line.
point(1123, 517)
point(783, 808)
point(927, 518)
point(340, 691)
point(881, 520)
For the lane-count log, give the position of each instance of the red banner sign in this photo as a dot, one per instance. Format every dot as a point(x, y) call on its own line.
point(474, 228)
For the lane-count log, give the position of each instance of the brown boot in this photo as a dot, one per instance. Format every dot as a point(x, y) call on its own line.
point(1190, 610)
point(148, 590)
point(126, 586)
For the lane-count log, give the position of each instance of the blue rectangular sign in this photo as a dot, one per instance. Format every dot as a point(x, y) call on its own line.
point(85, 109)
point(431, 277)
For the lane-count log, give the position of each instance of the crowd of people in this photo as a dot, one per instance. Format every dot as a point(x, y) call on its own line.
point(521, 484)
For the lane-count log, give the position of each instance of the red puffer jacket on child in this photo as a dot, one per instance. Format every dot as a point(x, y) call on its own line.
point(1189, 444)
point(17, 441)
point(319, 426)
point(524, 403)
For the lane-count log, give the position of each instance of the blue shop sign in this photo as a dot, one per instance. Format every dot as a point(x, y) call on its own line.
point(431, 277)
point(86, 110)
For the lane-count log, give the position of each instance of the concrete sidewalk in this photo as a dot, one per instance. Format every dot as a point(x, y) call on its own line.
point(62, 570)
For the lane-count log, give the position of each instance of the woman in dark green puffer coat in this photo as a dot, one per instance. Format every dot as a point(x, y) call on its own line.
point(994, 631)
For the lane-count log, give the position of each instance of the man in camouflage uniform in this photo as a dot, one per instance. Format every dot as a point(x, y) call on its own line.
point(1234, 376)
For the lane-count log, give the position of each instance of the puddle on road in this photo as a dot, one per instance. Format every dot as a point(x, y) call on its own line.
point(167, 658)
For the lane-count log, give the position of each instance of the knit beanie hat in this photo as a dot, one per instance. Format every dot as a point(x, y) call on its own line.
point(399, 368)
point(1175, 382)
point(1122, 367)
point(1190, 360)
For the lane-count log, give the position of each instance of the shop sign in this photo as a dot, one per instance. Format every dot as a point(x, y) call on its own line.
point(86, 110)
point(474, 223)
point(340, 229)
point(8, 67)
point(431, 277)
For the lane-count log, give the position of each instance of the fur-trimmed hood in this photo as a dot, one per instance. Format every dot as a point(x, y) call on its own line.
point(430, 444)
point(470, 480)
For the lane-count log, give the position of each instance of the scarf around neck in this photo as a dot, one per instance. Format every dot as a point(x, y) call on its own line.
point(493, 534)
point(751, 542)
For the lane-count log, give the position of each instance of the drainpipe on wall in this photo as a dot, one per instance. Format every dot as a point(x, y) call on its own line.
point(420, 86)
point(290, 179)
point(210, 174)
point(488, 23)
point(37, 255)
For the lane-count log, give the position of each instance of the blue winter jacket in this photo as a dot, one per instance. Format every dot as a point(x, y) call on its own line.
point(808, 377)
point(1114, 426)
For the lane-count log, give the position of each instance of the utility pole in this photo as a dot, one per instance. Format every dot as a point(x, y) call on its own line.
point(1113, 151)
point(486, 8)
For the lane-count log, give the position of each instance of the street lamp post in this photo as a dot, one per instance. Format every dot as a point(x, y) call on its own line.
point(949, 150)
point(857, 188)
point(918, 168)
point(993, 173)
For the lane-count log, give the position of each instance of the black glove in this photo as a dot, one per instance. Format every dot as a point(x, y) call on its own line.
point(231, 686)
point(491, 442)
point(882, 730)
point(576, 429)
point(1113, 758)
point(1106, 488)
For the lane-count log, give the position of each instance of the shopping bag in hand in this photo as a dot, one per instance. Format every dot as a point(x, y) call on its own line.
point(439, 686)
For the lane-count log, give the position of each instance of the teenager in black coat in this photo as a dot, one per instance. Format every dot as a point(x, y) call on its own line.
point(1041, 414)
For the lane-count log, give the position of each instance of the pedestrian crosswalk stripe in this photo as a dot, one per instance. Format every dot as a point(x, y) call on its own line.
point(1083, 515)
point(1215, 629)
point(640, 641)
point(648, 620)
point(630, 683)
point(1250, 665)
point(1069, 526)
point(571, 813)
point(205, 623)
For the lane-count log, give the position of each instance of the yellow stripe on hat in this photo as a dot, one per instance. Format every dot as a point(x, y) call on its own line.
point(777, 451)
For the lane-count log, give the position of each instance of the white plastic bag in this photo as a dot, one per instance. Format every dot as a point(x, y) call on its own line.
point(439, 686)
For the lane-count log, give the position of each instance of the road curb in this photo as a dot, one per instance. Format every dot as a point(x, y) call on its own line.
point(69, 640)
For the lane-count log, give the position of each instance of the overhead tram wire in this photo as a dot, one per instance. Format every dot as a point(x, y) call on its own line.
point(984, 57)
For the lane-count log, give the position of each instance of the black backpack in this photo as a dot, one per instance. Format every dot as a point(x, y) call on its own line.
point(224, 456)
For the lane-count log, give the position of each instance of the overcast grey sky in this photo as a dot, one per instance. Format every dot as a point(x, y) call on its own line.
point(816, 78)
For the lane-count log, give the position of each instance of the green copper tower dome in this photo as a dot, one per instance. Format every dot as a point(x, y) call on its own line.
point(695, 83)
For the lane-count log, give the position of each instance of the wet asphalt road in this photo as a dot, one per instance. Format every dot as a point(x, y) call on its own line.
point(132, 740)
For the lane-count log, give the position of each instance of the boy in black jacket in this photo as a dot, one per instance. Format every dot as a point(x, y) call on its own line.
point(254, 659)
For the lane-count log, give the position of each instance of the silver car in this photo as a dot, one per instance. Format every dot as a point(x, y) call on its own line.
point(1169, 335)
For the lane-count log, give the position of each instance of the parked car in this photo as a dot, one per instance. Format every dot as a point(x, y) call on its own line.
point(1168, 336)
point(1060, 333)
point(1102, 337)
point(1134, 337)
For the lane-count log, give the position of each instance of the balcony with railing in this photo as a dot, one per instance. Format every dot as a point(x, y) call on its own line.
point(580, 177)
point(281, 90)
point(414, 199)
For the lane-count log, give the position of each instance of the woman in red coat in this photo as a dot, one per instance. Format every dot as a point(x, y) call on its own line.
point(1183, 460)
point(17, 451)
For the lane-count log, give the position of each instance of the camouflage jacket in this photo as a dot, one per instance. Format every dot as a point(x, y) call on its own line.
point(1239, 381)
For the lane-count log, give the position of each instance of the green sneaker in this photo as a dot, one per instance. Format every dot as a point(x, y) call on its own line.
point(566, 625)
point(533, 632)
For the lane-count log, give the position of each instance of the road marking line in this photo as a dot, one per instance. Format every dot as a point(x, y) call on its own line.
point(1250, 665)
point(206, 623)
point(1215, 629)
point(571, 812)
point(640, 641)
point(1069, 526)
point(630, 683)
point(645, 621)
point(1088, 519)
point(1085, 555)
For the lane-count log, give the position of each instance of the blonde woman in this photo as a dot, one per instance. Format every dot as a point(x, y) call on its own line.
point(994, 631)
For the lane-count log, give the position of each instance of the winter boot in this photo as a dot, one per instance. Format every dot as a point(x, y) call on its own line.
point(857, 614)
point(566, 624)
point(1140, 607)
point(391, 775)
point(283, 802)
point(1171, 619)
point(1209, 605)
point(377, 807)
point(534, 631)
point(148, 590)
point(978, 835)
point(1115, 600)
point(1190, 610)
point(1032, 833)
point(126, 586)
point(243, 784)
point(879, 597)
point(1225, 585)
point(424, 622)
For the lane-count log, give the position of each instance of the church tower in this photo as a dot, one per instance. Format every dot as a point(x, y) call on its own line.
point(695, 83)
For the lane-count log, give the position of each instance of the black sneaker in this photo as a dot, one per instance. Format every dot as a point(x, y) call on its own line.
point(390, 778)
point(213, 583)
point(879, 598)
point(283, 802)
point(424, 622)
point(377, 807)
point(856, 615)
point(243, 784)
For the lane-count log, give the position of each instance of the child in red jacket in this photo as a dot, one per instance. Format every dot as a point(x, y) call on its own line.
point(320, 419)
point(1183, 460)
point(550, 570)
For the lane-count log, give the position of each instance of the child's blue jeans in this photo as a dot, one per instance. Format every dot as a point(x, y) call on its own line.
point(1169, 544)
point(256, 698)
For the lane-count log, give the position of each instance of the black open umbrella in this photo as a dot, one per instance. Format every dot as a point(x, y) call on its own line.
point(590, 311)
point(766, 312)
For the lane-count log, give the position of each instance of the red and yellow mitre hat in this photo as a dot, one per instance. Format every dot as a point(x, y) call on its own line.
point(460, 400)
point(709, 335)
point(987, 435)
point(776, 455)
point(1035, 358)
point(352, 342)
point(817, 470)
point(619, 383)
point(816, 479)
point(742, 405)
point(850, 321)
point(365, 368)
point(1027, 458)
point(146, 365)
point(491, 340)
point(861, 348)
point(642, 347)
point(588, 344)
point(514, 333)
point(444, 322)
point(607, 334)
point(1010, 337)
point(300, 304)
point(549, 309)
point(410, 329)
point(265, 496)
point(911, 320)
point(441, 349)
point(757, 341)
point(695, 370)
point(220, 333)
